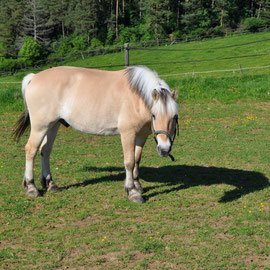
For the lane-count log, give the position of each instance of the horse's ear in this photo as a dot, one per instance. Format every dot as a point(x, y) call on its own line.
point(155, 95)
point(174, 94)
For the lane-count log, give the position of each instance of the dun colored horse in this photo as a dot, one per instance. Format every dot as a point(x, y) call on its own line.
point(132, 102)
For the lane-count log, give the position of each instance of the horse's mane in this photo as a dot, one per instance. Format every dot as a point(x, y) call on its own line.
point(144, 80)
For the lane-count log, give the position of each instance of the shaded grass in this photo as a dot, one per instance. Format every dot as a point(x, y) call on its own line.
point(202, 212)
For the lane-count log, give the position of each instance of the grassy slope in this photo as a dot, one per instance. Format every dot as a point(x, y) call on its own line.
point(208, 210)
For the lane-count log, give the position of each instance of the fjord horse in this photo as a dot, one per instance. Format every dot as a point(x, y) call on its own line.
point(132, 102)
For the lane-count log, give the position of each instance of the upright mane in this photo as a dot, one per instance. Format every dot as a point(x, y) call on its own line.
point(144, 80)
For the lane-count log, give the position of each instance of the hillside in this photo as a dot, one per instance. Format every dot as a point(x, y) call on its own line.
point(249, 50)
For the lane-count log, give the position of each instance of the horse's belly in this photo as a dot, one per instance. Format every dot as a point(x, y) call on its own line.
point(94, 129)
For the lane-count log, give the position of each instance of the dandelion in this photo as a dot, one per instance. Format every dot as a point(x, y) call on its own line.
point(249, 211)
point(107, 163)
point(104, 238)
point(245, 206)
point(260, 209)
point(261, 228)
point(150, 237)
point(262, 205)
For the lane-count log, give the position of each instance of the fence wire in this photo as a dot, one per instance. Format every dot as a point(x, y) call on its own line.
point(203, 49)
point(189, 73)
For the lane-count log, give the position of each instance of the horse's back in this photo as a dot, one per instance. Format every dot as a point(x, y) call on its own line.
point(88, 99)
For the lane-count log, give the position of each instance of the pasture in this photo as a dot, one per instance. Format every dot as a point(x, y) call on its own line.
point(207, 210)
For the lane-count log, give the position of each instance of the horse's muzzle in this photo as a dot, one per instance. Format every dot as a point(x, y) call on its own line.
point(164, 152)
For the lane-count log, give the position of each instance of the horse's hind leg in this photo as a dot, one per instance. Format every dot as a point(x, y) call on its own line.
point(46, 148)
point(31, 148)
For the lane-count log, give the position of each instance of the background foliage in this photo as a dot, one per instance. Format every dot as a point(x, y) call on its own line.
point(61, 27)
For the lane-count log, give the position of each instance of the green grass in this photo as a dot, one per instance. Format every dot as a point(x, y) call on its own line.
point(207, 210)
point(224, 87)
point(196, 213)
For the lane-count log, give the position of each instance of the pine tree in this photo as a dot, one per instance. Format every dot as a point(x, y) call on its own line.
point(157, 15)
point(11, 14)
point(84, 18)
point(35, 22)
point(195, 16)
point(266, 11)
point(58, 10)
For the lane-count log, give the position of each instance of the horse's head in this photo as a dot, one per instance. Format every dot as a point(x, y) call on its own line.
point(164, 120)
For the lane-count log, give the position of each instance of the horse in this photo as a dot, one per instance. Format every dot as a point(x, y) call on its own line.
point(133, 103)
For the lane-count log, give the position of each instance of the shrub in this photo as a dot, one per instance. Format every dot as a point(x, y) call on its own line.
point(8, 64)
point(95, 43)
point(252, 24)
point(110, 37)
point(62, 47)
point(30, 51)
point(79, 43)
point(128, 34)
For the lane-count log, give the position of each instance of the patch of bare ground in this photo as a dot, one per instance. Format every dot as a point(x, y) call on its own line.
point(262, 261)
point(220, 223)
point(111, 260)
point(224, 236)
point(166, 265)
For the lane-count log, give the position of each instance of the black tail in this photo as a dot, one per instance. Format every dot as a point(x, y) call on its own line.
point(22, 124)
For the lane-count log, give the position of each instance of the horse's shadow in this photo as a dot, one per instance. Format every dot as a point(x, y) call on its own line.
point(180, 177)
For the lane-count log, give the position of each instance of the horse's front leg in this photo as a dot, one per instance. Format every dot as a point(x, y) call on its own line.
point(128, 144)
point(140, 141)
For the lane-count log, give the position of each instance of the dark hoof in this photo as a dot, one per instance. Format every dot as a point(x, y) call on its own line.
point(52, 187)
point(48, 184)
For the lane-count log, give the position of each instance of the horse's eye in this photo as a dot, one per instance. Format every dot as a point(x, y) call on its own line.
point(176, 117)
point(154, 117)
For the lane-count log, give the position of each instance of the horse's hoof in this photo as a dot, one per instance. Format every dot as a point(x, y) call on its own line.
point(32, 192)
point(136, 199)
point(52, 187)
point(134, 195)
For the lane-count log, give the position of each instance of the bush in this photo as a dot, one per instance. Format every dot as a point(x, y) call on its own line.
point(216, 31)
point(128, 34)
point(252, 24)
point(8, 64)
point(110, 37)
point(30, 51)
point(79, 42)
point(95, 43)
point(62, 47)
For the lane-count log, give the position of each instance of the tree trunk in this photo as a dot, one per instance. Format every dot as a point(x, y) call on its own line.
point(35, 19)
point(221, 17)
point(63, 29)
point(116, 19)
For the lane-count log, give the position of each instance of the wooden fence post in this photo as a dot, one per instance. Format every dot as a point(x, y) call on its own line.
point(241, 70)
point(126, 54)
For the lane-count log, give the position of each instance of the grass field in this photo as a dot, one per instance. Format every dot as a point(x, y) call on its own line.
point(207, 210)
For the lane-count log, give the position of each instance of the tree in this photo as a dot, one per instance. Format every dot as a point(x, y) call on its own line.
point(58, 10)
point(35, 22)
point(157, 15)
point(83, 18)
point(266, 11)
point(11, 13)
point(195, 17)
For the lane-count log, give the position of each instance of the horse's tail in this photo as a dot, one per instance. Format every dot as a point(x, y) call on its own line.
point(24, 121)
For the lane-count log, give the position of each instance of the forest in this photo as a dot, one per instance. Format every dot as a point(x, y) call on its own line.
point(32, 30)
